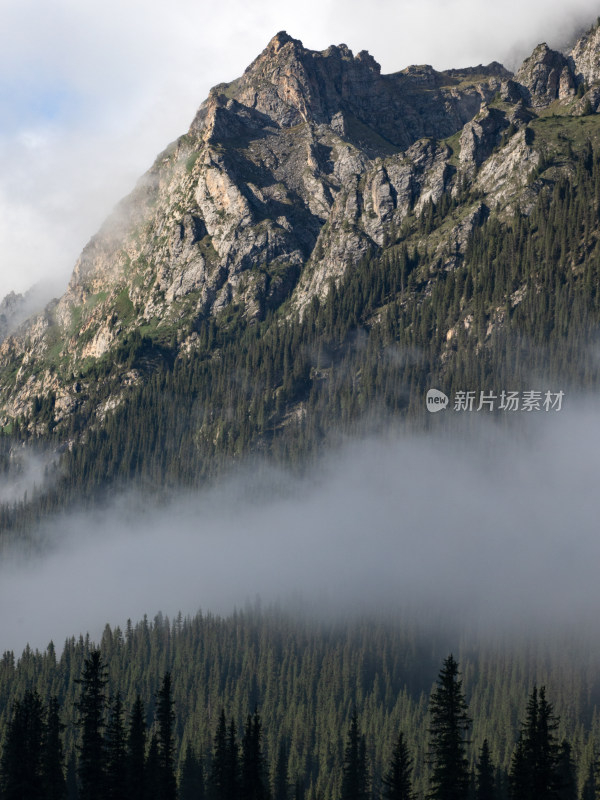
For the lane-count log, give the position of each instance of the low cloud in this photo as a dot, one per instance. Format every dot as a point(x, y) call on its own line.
point(488, 527)
point(28, 473)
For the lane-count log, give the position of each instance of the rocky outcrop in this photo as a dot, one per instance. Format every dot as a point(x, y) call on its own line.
point(479, 138)
point(584, 58)
point(545, 77)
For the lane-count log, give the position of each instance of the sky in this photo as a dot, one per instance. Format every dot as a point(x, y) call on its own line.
point(493, 529)
point(91, 92)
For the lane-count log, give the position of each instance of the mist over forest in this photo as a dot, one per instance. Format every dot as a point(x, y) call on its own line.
point(490, 525)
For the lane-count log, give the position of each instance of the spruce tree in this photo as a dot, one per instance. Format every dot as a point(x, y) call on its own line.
point(91, 709)
point(116, 751)
point(354, 775)
point(566, 773)
point(485, 774)
point(535, 765)
point(136, 752)
point(254, 784)
point(397, 784)
point(520, 777)
point(224, 783)
point(448, 728)
point(165, 716)
point(53, 769)
point(232, 755)
point(218, 771)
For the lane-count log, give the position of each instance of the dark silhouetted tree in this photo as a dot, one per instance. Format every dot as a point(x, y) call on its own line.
point(165, 717)
point(91, 709)
point(224, 780)
point(485, 786)
point(355, 783)
point(53, 768)
point(535, 764)
point(116, 753)
point(397, 782)
point(566, 773)
point(448, 728)
point(136, 752)
point(254, 781)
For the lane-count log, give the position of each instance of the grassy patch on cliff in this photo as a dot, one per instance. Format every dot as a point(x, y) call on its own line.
point(566, 136)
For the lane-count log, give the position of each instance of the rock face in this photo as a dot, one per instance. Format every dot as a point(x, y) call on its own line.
point(286, 178)
point(545, 76)
point(584, 59)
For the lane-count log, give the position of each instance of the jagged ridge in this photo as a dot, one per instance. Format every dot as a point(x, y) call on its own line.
point(286, 178)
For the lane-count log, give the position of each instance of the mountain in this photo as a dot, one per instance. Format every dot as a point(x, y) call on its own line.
point(315, 201)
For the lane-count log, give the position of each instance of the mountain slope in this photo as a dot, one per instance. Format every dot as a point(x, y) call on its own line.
point(314, 202)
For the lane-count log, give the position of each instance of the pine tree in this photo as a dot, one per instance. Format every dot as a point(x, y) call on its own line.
point(116, 751)
point(165, 716)
point(397, 784)
point(53, 772)
point(224, 781)
point(535, 765)
point(546, 775)
point(254, 784)
point(136, 752)
point(449, 725)
point(91, 708)
point(520, 778)
point(485, 774)
point(354, 775)
point(218, 771)
point(566, 773)
point(232, 754)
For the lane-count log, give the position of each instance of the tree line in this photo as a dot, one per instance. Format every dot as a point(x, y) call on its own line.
point(307, 676)
point(118, 756)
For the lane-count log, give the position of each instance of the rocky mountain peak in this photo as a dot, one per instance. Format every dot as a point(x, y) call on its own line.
point(545, 76)
point(288, 177)
point(277, 42)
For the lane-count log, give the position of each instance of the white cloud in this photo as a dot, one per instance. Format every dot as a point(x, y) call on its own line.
point(91, 92)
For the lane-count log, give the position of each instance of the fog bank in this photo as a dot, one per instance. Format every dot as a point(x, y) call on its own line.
point(496, 527)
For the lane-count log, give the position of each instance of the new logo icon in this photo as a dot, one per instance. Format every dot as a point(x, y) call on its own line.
point(436, 401)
